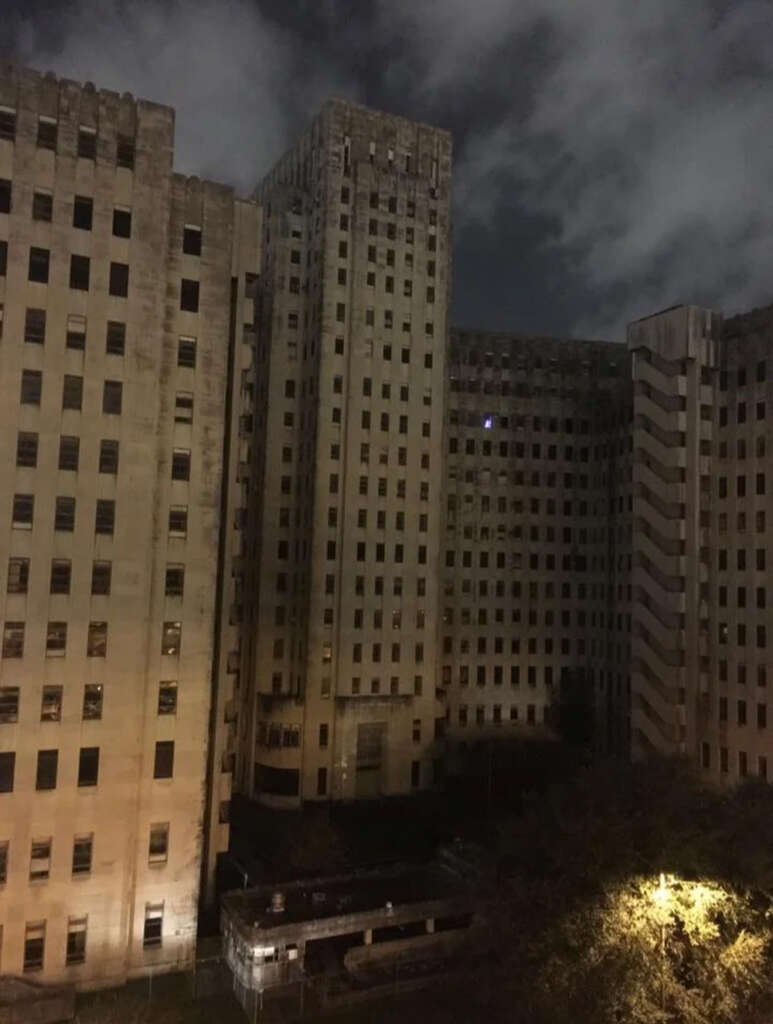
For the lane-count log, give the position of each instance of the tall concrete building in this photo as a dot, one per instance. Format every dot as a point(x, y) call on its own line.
point(339, 667)
point(122, 299)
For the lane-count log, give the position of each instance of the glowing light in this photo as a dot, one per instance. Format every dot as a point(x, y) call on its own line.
point(488, 422)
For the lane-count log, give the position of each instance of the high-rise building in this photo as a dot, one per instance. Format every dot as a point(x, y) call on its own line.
point(338, 682)
point(122, 292)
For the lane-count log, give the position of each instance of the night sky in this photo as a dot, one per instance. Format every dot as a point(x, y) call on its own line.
point(612, 157)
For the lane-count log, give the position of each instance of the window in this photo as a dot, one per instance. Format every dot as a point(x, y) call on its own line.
point(82, 849)
point(48, 763)
point(115, 342)
point(23, 511)
point(167, 697)
point(79, 272)
point(96, 645)
point(38, 265)
point(60, 576)
point(64, 514)
point(42, 205)
point(119, 279)
point(7, 123)
point(101, 574)
point(186, 352)
point(163, 766)
point(34, 946)
point(181, 464)
point(3, 865)
point(18, 575)
point(93, 694)
point(72, 392)
point(13, 639)
point(175, 580)
point(76, 332)
point(7, 770)
point(112, 397)
point(122, 222)
point(189, 295)
point(47, 133)
point(26, 449)
point(69, 451)
point(51, 704)
point(171, 638)
point(105, 516)
point(323, 735)
point(3, 258)
point(124, 151)
point(415, 774)
point(76, 941)
point(87, 143)
point(183, 407)
point(192, 240)
point(9, 704)
point(158, 844)
point(5, 195)
point(35, 326)
point(82, 212)
point(154, 925)
point(31, 387)
point(178, 520)
point(108, 456)
point(56, 639)
point(88, 766)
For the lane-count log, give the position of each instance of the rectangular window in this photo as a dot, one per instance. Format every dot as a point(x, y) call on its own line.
point(154, 925)
point(3, 865)
point(60, 576)
point(163, 765)
point(34, 946)
point(158, 844)
point(124, 152)
point(88, 766)
point(31, 387)
point(51, 704)
point(38, 265)
point(48, 763)
point(181, 464)
point(167, 697)
point(87, 143)
point(189, 295)
point(183, 407)
point(171, 638)
point(35, 326)
point(9, 704)
point(82, 849)
point(69, 452)
point(108, 457)
point(93, 694)
point(122, 222)
point(105, 516)
point(76, 332)
point(178, 520)
point(72, 392)
point(7, 770)
point(115, 342)
point(82, 212)
point(40, 860)
point(7, 123)
point(3, 257)
point(26, 449)
point(56, 639)
point(112, 397)
point(96, 646)
point(5, 195)
point(186, 352)
point(175, 580)
point(18, 575)
point(76, 941)
point(64, 514)
point(119, 279)
point(80, 268)
point(192, 240)
point(47, 133)
point(101, 574)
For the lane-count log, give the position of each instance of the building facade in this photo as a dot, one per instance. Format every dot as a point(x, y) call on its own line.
point(122, 297)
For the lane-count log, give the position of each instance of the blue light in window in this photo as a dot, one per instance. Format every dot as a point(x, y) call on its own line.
point(488, 422)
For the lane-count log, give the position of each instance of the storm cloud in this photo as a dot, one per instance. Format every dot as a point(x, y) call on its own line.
point(611, 158)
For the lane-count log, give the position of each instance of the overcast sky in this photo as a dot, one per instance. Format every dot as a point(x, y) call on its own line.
point(612, 157)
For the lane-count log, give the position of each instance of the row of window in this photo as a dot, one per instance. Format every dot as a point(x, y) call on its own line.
point(374, 198)
point(47, 769)
point(27, 449)
point(48, 136)
point(101, 577)
point(96, 644)
point(517, 449)
point(104, 520)
point(72, 392)
point(52, 696)
point(724, 761)
point(496, 714)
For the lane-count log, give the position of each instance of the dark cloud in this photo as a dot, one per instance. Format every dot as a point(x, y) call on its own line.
point(611, 158)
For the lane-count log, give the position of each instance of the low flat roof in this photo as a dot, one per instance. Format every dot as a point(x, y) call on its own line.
point(315, 899)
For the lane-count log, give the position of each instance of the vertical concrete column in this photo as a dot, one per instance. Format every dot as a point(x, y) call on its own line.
point(430, 923)
point(367, 936)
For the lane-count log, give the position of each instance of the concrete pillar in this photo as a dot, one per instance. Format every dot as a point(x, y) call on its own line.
point(367, 936)
point(430, 923)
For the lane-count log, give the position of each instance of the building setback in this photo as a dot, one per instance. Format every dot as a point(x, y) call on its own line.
point(266, 519)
